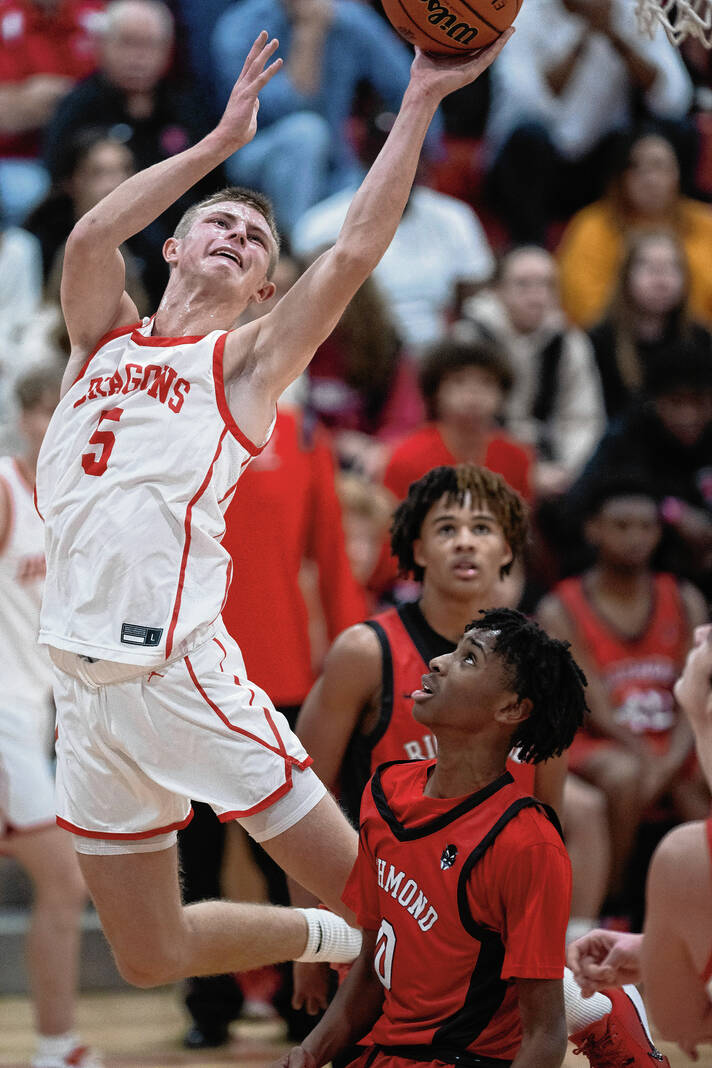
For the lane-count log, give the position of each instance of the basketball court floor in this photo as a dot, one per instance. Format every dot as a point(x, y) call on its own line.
point(144, 1028)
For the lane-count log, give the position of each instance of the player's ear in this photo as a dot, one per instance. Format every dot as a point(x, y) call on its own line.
point(514, 712)
point(264, 293)
point(170, 250)
point(418, 554)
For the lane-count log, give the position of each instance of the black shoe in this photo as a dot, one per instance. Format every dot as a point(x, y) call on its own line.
point(206, 1037)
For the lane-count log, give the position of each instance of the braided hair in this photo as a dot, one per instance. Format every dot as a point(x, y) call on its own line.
point(462, 481)
point(542, 670)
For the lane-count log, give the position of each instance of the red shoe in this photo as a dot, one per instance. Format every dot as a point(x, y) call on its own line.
point(620, 1039)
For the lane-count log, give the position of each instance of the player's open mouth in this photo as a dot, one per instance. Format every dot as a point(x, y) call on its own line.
point(465, 569)
point(427, 689)
point(228, 254)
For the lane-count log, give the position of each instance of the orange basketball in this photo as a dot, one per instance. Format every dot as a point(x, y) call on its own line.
point(451, 26)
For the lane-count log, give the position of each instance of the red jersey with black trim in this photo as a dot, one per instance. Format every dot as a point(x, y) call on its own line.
point(466, 895)
point(639, 673)
point(408, 644)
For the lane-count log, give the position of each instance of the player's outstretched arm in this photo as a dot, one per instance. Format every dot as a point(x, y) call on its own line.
point(290, 334)
point(93, 278)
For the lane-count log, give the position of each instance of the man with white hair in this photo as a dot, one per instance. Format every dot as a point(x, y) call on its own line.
point(133, 93)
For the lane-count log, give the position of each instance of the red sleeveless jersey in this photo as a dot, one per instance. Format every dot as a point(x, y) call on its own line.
point(408, 644)
point(467, 894)
point(639, 673)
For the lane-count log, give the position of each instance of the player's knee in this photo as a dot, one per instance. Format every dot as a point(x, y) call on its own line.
point(147, 966)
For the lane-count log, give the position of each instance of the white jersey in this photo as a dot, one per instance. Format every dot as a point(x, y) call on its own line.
point(137, 468)
point(26, 673)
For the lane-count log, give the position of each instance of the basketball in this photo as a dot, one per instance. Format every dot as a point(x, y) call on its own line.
point(450, 27)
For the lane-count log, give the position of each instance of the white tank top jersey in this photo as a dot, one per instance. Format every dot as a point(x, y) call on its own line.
point(137, 468)
point(26, 673)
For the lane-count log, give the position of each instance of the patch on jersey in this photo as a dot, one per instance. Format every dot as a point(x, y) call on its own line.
point(448, 857)
point(131, 634)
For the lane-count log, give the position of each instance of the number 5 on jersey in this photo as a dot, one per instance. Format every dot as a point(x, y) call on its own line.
point(92, 463)
point(383, 953)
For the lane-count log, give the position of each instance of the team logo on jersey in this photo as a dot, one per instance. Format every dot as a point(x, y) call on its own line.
point(448, 857)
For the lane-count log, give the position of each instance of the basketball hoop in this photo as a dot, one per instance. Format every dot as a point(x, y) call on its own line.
point(680, 19)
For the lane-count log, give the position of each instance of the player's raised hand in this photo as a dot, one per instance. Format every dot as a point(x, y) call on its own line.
point(239, 121)
point(604, 958)
point(444, 74)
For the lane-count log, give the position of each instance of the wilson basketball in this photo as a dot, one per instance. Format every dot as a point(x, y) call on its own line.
point(451, 26)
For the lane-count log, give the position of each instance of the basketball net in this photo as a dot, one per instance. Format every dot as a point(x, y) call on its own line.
point(680, 19)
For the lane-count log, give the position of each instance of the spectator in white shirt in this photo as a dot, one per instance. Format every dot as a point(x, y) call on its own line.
point(569, 80)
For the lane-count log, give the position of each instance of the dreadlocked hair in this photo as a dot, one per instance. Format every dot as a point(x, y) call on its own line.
point(480, 486)
point(544, 671)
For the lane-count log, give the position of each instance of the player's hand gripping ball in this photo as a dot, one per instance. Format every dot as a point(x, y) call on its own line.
point(451, 27)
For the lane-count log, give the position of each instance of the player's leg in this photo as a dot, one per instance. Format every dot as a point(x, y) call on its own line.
point(616, 772)
point(588, 845)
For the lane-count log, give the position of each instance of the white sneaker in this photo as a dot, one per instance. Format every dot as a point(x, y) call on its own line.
point(79, 1057)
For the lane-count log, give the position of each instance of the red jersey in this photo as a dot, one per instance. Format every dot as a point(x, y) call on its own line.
point(467, 894)
point(425, 449)
point(639, 673)
point(408, 644)
point(59, 40)
point(287, 509)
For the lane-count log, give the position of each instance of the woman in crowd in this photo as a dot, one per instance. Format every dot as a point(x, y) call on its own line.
point(643, 194)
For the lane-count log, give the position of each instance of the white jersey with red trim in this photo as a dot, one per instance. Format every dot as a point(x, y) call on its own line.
point(137, 468)
point(26, 671)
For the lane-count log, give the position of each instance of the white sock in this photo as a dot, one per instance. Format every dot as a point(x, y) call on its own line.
point(52, 1047)
point(579, 926)
point(329, 938)
point(580, 1011)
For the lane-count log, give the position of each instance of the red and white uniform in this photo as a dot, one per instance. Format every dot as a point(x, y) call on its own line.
point(137, 468)
point(408, 644)
point(26, 785)
point(140, 462)
point(639, 673)
point(467, 894)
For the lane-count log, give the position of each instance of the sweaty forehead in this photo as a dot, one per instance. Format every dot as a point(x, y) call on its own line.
point(463, 508)
point(236, 209)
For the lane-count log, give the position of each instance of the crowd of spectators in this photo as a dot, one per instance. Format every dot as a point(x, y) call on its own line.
point(554, 327)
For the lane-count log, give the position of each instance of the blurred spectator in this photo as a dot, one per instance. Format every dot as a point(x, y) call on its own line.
point(366, 515)
point(363, 386)
point(93, 163)
point(289, 513)
point(439, 254)
point(631, 627)
point(465, 385)
point(644, 194)
point(555, 403)
point(133, 97)
point(45, 46)
point(573, 74)
point(301, 152)
point(20, 294)
point(667, 437)
point(648, 312)
point(196, 23)
point(28, 831)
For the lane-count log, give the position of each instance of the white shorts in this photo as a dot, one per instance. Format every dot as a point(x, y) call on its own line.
point(131, 755)
point(26, 779)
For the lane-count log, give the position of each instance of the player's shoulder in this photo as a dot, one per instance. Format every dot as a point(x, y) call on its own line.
point(356, 650)
point(531, 827)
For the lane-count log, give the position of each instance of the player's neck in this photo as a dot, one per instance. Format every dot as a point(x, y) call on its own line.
point(465, 765)
point(191, 311)
point(609, 583)
point(466, 442)
point(449, 617)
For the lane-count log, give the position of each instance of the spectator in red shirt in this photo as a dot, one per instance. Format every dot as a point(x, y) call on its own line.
point(464, 385)
point(45, 47)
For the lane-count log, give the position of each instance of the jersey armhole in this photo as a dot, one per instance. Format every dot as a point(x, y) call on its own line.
point(224, 407)
point(385, 712)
